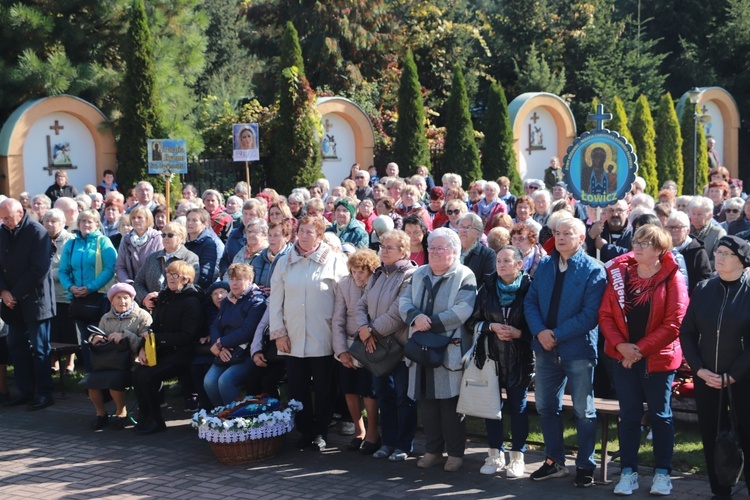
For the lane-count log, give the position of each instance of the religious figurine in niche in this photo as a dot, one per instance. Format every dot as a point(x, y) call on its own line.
point(156, 154)
point(599, 172)
point(61, 154)
point(329, 146)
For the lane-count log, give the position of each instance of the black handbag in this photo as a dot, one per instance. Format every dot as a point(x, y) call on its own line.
point(388, 354)
point(269, 347)
point(109, 355)
point(88, 309)
point(427, 348)
point(239, 355)
point(728, 455)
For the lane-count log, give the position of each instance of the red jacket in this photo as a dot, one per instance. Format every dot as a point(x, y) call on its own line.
point(660, 345)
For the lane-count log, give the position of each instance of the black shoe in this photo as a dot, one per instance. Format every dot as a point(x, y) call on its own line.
point(191, 404)
point(17, 401)
point(118, 423)
point(99, 423)
point(354, 444)
point(153, 427)
point(304, 442)
point(584, 478)
point(40, 402)
point(548, 470)
point(369, 448)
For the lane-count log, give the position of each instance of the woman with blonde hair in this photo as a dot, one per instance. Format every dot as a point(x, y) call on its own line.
point(141, 242)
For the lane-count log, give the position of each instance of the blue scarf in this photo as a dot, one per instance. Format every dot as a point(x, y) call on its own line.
point(506, 294)
point(125, 314)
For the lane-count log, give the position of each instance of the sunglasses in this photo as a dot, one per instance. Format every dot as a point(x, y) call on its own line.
point(732, 210)
point(168, 235)
point(533, 188)
point(453, 212)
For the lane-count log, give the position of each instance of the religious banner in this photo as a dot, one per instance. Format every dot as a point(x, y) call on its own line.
point(167, 156)
point(600, 166)
point(245, 145)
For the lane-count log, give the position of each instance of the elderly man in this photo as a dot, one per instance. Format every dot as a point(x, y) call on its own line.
point(700, 210)
point(144, 195)
point(362, 180)
point(553, 174)
point(28, 303)
point(562, 308)
point(69, 206)
point(713, 156)
point(612, 234)
point(391, 170)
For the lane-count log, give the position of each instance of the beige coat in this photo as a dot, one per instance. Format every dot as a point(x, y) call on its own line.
point(344, 321)
point(132, 327)
point(303, 293)
point(61, 295)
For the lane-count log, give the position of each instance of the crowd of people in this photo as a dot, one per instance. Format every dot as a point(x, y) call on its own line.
point(239, 295)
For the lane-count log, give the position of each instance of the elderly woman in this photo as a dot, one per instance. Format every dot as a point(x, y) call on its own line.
point(296, 203)
point(454, 209)
point(542, 202)
point(63, 328)
point(256, 237)
point(303, 291)
point(499, 318)
point(355, 382)
point(113, 209)
point(221, 221)
point(317, 206)
point(689, 252)
point(742, 223)
point(202, 244)
point(365, 214)
point(440, 299)
point(640, 317)
point(346, 227)
point(125, 322)
point(477, 257)
point(714, 335)
point(86, 266)
point(178, 323)
point(234, 207)
point(231, 333)
point(160, 216)
point(490, 205)
point(475, 193)
point(700, 212)
point(410, 204)
point(142, 241)
point(733, 211)
point(497, 238)
point(524, 238)
point(151, 278)
point(718, 192)
point(279, 236)
point(40, 204)
point(415, 228)
point(251, 210)
point(387, 206)
point(377, 317)
point(61, 187)
point(524, 211)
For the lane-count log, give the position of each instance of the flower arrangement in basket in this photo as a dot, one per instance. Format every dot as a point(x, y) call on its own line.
point(246, 431)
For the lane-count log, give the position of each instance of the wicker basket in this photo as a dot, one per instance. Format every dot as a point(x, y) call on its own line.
point(249, 451)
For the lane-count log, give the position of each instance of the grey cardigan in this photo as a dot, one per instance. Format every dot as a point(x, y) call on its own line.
point(344, 323)
point(150, 277)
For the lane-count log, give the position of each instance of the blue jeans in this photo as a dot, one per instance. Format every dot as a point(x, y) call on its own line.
point(222, 382)
point(515, 403)
point(552, 373)
point(30, 352)
point(398, 413)
point(634, 386)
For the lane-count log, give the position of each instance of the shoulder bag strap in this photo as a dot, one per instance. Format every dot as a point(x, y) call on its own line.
point(721, 407)
point(732, 413)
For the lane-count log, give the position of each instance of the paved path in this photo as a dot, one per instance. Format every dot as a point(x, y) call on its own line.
point(53, 454)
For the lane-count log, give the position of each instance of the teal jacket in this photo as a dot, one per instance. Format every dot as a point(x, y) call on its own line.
point(352, 233)
point(78, 262)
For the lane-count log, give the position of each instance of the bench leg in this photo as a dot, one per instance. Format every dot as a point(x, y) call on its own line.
point(605, 440)
point(62, 382)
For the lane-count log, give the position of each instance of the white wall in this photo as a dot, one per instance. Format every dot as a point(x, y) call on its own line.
point(715, 128)
point(82, 153)
point(336, 170)
point(533, 163)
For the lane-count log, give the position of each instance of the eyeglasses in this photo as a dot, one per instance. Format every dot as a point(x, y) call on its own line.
point(390, 248)
point(174, 276)
point(461, 228)
point(723, 255)
point(732, 210)
point(453, 212)
point(642, 244)
point(517, 237)
point(675, 228)
point(437, 249)
point(168, 235)
point(616, 211)
point(533, 188)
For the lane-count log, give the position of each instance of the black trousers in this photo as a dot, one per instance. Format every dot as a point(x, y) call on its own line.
point(146, 383)
point(707, 401)
point(302, 373)
point(266, 380)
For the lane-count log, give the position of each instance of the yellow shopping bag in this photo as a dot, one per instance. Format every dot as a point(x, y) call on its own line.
point(151, 349)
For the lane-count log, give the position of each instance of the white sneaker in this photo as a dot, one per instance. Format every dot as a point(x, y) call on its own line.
point(628, 484)
point(517, 466)
point(494, 463)
point(662, 485)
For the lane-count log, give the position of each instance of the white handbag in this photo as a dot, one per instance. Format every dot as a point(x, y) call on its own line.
point(479, 395)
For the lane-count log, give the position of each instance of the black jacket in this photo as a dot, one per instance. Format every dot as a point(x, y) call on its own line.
point(55, 191)
point(715, 332)
point(25, 272)
point(515, 359)
point(696, 262)
point(178, 323)
point(481, 261)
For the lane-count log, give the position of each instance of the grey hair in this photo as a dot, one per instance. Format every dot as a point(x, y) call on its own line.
point(449, 235)
point(542, 193)
point(681, 217)
point(638, 211)
point(476, 221)
point(382, 224)
point(214, 192)
point(54, 213)
point(735, 202)
point(298, 197)
point(261, 224)
point(642, 199)
point(702, 203)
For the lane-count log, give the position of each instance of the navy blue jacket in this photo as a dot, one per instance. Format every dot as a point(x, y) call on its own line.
point(234, 244)
point(236, 323)
point(204, 247)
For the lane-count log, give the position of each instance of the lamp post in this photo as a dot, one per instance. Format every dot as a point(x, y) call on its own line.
point(694, 95)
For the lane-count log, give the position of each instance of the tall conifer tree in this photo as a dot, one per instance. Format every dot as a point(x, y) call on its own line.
point(687, 126)
point(668, 143)
point(410, 149)
point(642, 128)
point(498, 157)
point(619, 122)
point(461, 153)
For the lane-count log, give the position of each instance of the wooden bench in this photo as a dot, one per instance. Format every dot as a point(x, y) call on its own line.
point(59, 350)
point(605, 408)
